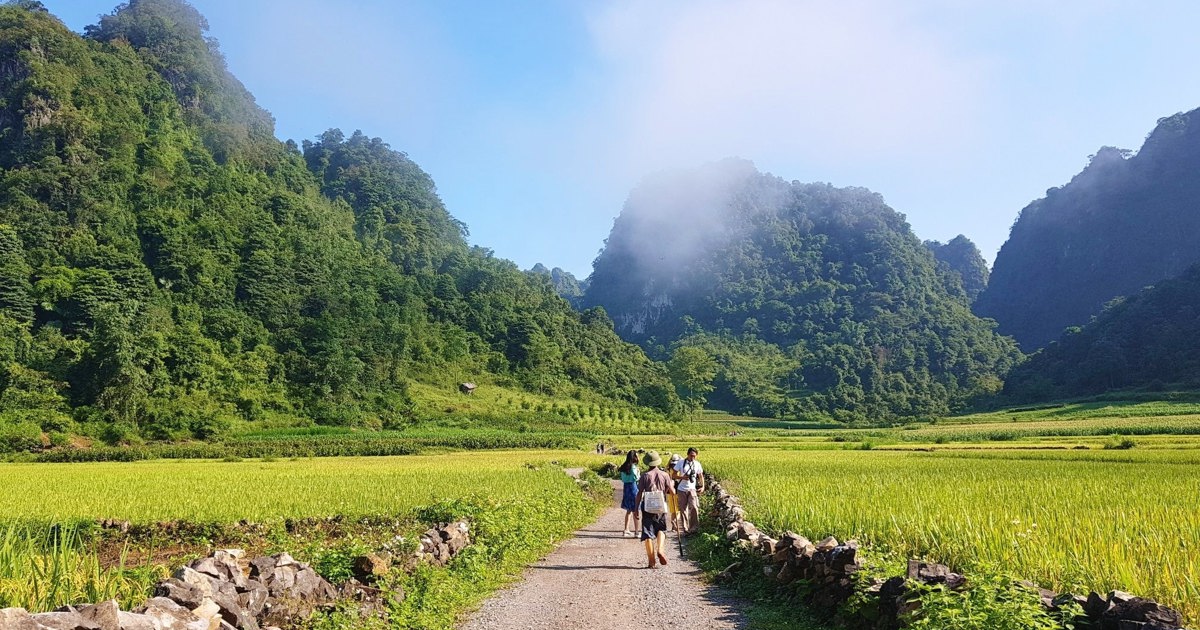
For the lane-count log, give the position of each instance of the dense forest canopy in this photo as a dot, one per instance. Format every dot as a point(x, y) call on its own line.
point(167, 267)
point(565, 283)
point(1123, 223)
point(811, 299)
point(962, 257)
point(1150, 340)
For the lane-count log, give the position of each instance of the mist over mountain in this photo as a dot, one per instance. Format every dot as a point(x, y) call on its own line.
point(962, 257)
point(168, 268)
point(1149, 340)
point(1121, 224)
point(811, 299)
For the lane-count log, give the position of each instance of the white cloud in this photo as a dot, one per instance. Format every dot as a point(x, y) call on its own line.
point(690, 81)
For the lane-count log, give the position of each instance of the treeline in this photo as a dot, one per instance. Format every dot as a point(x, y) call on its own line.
point(168, 268)
point(801, 299)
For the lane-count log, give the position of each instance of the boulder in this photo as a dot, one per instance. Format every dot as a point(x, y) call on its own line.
point(261, 568)
point(1138, 609)
point(64, 621)
point(195, 579)
point(1096, 605)
point(104, 614)
point(935, 574)
point(233, 613)
point(253, 597)
point(182, 593)
point(135, 621)
point(172, 616)
point(17, 619)
point(828, 544)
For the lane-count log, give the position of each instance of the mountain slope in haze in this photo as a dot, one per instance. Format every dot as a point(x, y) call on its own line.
point(1148, 340)
point(564, 282)
point(1121, 224)
point(168, 268)
point(810, 298)
point(962, 257)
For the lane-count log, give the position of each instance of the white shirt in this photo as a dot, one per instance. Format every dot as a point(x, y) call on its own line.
point(686, 468)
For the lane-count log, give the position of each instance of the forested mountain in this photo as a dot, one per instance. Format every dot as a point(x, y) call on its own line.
point(1148, 340)
point(167, 266)
point(962, 257)
point(808, 298)
point(565, 283)
point(1123, 223)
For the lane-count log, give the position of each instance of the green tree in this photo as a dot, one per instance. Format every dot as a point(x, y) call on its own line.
point(692, 371)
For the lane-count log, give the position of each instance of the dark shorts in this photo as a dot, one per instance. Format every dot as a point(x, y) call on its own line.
point(652, 524)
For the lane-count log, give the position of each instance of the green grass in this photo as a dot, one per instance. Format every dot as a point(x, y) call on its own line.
point(1071, 520)
point(520, 506)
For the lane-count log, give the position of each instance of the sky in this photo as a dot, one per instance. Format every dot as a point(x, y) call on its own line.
point(537, 118)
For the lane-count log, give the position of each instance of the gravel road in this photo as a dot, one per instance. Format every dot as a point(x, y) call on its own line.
point(597, 579)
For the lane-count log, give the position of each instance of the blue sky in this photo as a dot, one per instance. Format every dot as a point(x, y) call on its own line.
point(536, 118)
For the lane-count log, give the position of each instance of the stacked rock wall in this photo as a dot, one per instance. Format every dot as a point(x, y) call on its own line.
point(827, 569)
point(224, 591)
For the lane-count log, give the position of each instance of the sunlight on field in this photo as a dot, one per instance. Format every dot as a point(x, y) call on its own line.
point(256, 490)
point(1067, 519)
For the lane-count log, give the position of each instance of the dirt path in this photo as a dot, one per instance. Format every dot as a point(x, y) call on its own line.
point(598, 579)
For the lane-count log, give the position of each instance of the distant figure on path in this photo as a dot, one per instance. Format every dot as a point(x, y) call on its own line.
point(691, 484)
point(629, 490)
point(653, 489)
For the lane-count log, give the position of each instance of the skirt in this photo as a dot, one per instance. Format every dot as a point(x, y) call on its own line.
point(629, 496)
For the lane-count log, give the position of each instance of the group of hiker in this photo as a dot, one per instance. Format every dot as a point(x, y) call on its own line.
point(661, 498)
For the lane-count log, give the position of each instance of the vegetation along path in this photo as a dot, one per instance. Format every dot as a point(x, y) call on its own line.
point(598, 578)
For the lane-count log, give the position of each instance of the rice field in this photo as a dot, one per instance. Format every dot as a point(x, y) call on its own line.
point(262, 490)
point(46, 560)
point(1071, 520)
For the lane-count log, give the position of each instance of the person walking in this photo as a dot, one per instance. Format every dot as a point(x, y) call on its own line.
point(653, 488)
point(629, 490)
point(691, 484)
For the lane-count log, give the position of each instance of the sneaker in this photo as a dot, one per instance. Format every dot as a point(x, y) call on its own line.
point(627, 533)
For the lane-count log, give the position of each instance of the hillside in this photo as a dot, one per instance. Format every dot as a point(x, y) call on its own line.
point(1149, 340)
point(962, 257)
point(806, 297)
point(1123, 223)
point(169, 268)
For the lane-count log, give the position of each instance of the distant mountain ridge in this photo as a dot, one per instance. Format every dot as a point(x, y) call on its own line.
point(962, 257)
point(811, 298)
point(1121, 224)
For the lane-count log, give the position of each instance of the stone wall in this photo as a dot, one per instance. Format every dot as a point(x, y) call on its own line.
point(827, 570)
point(225, 591)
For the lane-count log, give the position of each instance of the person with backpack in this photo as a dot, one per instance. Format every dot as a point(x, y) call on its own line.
point(691, 484)
point(629, 490)
point(653, 488)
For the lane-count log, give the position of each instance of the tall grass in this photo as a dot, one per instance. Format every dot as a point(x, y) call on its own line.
point(1069, 522)
point(43, 567)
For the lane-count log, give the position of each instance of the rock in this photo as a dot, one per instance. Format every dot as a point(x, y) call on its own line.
point(104, 614)
point(208, 609)
point(457, 536)
point(182, 593)
point(370, 568)
point(64, 621)
point(16, 619)
point(935, 574)
point(232, 612)
point(766, 545)
point(254, 597)
point(828, 544)
point(1096, 605)
point(134, 621)
point(284, 559)
point(195, 579)
point(172, 616)
point(1140, 610)
point(261, 568)
point(282, 579)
